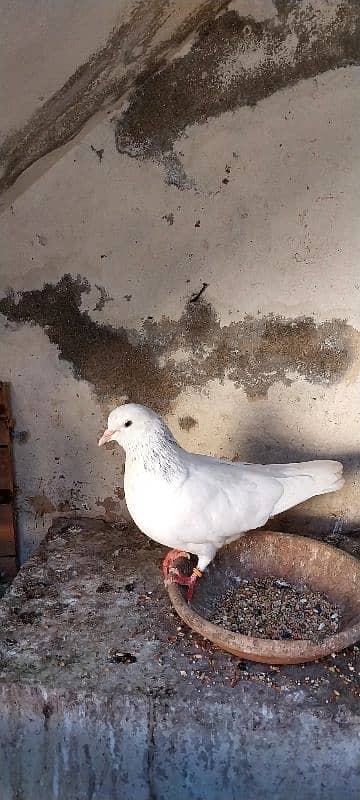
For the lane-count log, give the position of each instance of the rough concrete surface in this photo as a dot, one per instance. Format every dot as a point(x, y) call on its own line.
point(105, 695)
point(227, 296)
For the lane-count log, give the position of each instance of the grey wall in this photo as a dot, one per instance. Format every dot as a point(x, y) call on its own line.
point(232, 166)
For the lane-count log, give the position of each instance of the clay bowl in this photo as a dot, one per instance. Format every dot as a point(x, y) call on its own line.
point(296, 559)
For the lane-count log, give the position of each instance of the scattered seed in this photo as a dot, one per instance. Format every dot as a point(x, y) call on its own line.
point(270, 608)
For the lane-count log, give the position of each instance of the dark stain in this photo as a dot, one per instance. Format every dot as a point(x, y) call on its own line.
point(47, 710)
point(197, 224)
point(99, 153)
point(169, 218)
point(91, 777)
point(41, 504)
point(187, 423)
point(96, 84)
point(122, 658)
point(28, 617)
point(254, 353)
point(196, 87)
point(42, 239)
point(34, 589)
point(21, 436)
point(104, 588)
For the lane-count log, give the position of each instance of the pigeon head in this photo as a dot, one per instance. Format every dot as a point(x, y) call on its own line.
point(129, 423)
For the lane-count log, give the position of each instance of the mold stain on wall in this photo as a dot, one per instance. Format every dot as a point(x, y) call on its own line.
point(234, 61)
point(108, 74)
point(145, 365)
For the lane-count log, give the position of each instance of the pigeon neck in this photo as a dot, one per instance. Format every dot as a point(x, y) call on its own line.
point(157, 452)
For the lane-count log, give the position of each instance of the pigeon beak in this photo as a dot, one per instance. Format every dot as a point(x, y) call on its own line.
point(105, 437)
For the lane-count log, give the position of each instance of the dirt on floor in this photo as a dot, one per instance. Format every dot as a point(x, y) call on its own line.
point(90, 611)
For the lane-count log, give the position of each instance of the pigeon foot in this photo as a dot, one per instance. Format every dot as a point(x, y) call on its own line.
point(169, 559)
point(175, 576)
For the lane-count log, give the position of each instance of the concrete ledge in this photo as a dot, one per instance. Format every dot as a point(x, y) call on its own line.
point(81, 718)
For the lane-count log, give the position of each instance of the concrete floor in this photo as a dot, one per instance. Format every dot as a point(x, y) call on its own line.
point(106, 695)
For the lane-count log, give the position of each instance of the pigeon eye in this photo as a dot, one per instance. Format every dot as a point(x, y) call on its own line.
point(128, 423)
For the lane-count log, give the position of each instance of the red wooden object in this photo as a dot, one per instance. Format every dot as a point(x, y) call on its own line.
point(8, 559)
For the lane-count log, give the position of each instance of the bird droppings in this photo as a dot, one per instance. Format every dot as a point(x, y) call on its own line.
point(254, 353)
point(219, 74)
point(269, 608)
point(73, 631)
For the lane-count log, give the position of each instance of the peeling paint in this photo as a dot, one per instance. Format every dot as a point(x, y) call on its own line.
point(146, 366)
point(234, 61)
point(111, 508)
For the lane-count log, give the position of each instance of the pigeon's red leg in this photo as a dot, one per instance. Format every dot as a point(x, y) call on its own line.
point(169, 559)
point(185, 580)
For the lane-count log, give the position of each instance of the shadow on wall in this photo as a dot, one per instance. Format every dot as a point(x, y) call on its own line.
point(273, 447)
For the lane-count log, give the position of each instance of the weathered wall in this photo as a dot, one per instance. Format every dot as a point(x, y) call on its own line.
point(42, 43)
point(198, 251)
point(60, 65)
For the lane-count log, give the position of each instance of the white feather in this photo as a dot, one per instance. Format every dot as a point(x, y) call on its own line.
point(198, 503)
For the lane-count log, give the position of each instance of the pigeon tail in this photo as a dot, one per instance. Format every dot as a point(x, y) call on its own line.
point(305, 480)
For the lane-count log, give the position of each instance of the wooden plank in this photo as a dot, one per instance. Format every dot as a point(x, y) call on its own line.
point(6, 483)
point(8, 561)
point(4, 401)
point(8, 566)
point(7, 531)
point(4, 433)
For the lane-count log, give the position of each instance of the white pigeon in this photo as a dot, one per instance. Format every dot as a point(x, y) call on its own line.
point(196, 504)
